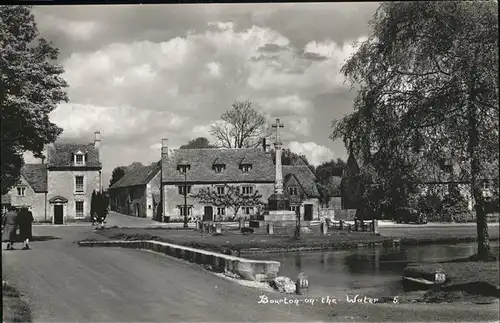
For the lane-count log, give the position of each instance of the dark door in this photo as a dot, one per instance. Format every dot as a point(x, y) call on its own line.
point(308, 212)
point(208, 213)
point(58, 214)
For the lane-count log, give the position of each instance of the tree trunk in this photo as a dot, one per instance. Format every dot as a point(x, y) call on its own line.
point(483, 244)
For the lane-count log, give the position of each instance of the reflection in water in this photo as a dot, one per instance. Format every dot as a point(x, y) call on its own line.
point(371, 271)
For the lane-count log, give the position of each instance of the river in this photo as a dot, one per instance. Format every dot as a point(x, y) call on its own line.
point(366, 271)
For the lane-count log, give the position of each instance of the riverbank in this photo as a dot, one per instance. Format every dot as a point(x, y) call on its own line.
point(235, 243)
point(14, 307)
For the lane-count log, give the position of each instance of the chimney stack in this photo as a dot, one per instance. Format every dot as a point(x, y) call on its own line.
point(97, 139)
point(164, 147)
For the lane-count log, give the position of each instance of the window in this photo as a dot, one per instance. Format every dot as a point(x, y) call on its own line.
point(79, 184)
point(221, 211)
point(79, 209)
point(220, 190)
point(247, 190)
point(294, 208)
point(181, 209)
point(219, 168)
point(245, 168)
point(182, 188)
point(79, 159)
point(293, 190)
point(21, 191)
point(183, 168)
point(248, 210)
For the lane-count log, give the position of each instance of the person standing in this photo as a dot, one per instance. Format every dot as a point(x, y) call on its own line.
point(9, 223)
point(25, 221)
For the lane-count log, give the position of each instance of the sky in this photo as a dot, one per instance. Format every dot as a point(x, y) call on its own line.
point(139, 73)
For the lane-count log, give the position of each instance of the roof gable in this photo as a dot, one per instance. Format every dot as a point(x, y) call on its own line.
point(138, 176)
point(304, 176)
point(36, 176)
point(61, 154)
point(201, 163)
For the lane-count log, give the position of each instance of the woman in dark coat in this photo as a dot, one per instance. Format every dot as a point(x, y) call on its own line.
point(9, 223)
point(24, 221)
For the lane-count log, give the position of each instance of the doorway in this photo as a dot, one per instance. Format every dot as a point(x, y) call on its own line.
point(58, 214)
point(308, 212)
point(208, 213)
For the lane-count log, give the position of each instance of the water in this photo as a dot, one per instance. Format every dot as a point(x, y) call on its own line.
point(368, 271)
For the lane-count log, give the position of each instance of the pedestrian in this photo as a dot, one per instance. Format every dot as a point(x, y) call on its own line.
point(24, 221)
point(9, 223)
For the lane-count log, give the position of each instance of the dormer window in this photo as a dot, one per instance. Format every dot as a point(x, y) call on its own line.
point(245, 168)
point(183, 166)
point(219, 168)
point(79, 159)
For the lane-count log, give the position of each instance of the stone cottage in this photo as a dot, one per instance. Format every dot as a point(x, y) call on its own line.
point(251, 169)
point(60, 190)
point(137, 193)
point(300, 186)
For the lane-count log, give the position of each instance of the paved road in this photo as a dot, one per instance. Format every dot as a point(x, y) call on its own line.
point(66, 283)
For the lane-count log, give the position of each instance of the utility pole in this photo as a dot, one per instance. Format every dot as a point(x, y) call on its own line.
point(185, 200)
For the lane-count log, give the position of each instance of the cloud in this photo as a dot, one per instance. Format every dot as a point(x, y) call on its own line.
point(316, 154)
point(178, 68)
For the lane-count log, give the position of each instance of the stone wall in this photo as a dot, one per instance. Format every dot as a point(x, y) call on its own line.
point(152, 189)
point(62, 183)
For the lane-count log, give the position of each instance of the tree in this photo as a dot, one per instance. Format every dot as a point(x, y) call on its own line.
point(241, 127)
point(288, 157)
point(427, 80)
point(31, 87)
point(133, 166)
point(233, 198)
point(328, 177)
point(117, 174)
point(200, 142)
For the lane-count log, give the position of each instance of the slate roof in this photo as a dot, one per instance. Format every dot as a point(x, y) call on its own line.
point(36, 176)
point(202, 161)
point(304, 176)
point(61, 155)
point(138, 176)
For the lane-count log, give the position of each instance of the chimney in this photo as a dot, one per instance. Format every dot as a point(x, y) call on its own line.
point(97, 139)
point(164, 147)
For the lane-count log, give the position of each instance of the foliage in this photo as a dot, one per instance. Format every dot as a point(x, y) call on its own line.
point(233, 198)
point(328, 176)
point(117, 174)
point(427, 80)
point(99, 204)
point(241, 127)
point(30, 88)
point(133, 166)
point(200, 142)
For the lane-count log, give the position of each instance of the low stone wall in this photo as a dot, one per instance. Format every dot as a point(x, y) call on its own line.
point(256, 270)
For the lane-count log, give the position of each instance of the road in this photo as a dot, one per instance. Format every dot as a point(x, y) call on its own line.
point(65, 283)
point(436, 230)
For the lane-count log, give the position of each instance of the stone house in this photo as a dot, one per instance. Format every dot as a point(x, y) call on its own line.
point(300, 181)
point(251, 169)
point(60, 190)
point(31, 190)
point(137, 193)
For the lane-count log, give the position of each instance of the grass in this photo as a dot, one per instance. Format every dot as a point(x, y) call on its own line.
point(234, 242)
point(14, 308)
point(467, 281)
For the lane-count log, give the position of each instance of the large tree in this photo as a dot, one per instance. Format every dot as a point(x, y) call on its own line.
point(200, 142)
point(328, 177)
point(117, 174)
point(31, 86)
point(427, 80)
point(241, 127)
